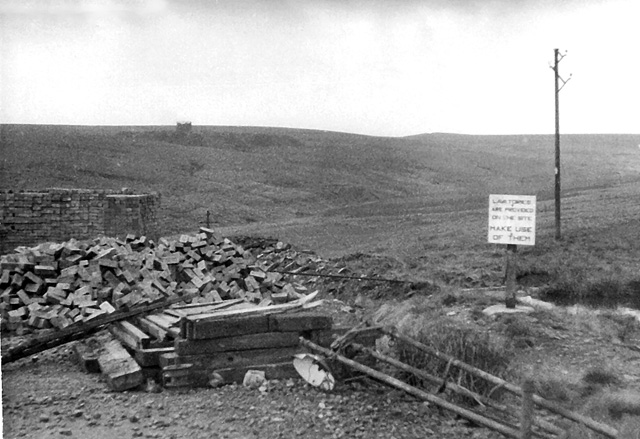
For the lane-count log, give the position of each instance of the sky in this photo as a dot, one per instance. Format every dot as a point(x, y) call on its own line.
point(377, 67)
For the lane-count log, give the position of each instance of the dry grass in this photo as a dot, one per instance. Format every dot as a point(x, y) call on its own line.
point(481, 350)
point(422, 319)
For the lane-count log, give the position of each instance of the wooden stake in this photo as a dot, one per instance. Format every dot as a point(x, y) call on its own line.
point(527, 415)
point(510, 299)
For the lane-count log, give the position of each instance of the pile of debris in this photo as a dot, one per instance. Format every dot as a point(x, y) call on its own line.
point(58, 285)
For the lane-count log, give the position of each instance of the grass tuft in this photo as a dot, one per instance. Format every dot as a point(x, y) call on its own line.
point(485, 351)
point(600, 377)
point(517, 327)
point(422, 319)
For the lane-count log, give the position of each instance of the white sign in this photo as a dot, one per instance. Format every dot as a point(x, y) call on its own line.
point(512, 219)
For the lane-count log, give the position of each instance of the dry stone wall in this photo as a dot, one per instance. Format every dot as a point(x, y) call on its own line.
point(31, 217)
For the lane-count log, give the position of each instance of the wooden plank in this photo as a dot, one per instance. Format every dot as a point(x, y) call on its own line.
point(183, 376)
point(244, 325)
point(152, 329)
point(130, 335)
point(277, 371)
point(325, 337)
point(299, 322)
point(86, 353)
point(243, 342)
point(191, 377)
point(257, 310)
point(163, 320)
point(118, 367)
point(176, 313)
point(222, 360)
point(202, 308)
point(151, 357)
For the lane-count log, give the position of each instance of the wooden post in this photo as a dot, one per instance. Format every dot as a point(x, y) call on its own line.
point(208, 219)
point(526, 420)
point(510, 299)
point(557, 156)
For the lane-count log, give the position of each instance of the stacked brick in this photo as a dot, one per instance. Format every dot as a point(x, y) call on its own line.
point(30, 217)
point(58, 285)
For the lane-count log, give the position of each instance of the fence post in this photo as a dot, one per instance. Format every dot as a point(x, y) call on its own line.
point(526, 418)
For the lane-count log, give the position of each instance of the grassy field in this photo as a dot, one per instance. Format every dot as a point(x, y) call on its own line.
point(421, 200)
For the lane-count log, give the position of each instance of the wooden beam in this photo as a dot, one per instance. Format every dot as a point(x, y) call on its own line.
point(130, 335)
point(118, 367)
point(240, 343)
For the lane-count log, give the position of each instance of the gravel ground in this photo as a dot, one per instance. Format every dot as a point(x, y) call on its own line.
point(52, 398)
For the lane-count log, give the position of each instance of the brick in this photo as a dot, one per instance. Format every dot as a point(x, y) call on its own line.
point(45, 270)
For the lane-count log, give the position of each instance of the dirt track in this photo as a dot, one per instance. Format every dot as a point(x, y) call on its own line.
point(52, 398)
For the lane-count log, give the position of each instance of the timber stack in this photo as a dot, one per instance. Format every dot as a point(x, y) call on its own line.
point(218, 347)
point(205, 344)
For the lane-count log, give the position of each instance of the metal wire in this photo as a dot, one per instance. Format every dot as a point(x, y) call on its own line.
point(339, 276)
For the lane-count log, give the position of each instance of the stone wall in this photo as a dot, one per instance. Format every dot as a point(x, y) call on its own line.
point(32, 217)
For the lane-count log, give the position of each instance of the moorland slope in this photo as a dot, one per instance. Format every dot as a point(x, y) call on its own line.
point(421, 199)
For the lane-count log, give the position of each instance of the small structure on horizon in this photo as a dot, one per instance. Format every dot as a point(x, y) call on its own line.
point(183, 128)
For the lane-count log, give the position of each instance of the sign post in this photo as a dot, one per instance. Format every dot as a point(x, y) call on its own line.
point(512, 221)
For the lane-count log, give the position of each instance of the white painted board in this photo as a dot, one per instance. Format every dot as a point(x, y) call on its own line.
point(512, 219)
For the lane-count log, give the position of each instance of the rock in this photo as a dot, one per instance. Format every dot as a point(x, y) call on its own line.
point(253, 379)
point(528, 300)
point(43, 418)
point(151, 386)
point(66, 432)
point(502, 309)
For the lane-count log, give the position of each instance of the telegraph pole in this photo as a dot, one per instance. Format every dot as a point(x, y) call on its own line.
point(557, 79)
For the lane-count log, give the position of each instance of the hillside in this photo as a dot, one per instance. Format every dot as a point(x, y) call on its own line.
point(337, 193)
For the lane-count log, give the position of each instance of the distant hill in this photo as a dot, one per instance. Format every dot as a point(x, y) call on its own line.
point(254, 175)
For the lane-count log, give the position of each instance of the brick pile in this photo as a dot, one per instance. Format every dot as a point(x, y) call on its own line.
point(56, 285)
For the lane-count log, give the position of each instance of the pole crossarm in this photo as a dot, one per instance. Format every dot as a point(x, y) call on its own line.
point(563, 81)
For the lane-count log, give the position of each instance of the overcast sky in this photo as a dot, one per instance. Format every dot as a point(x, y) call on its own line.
point(372, 67)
